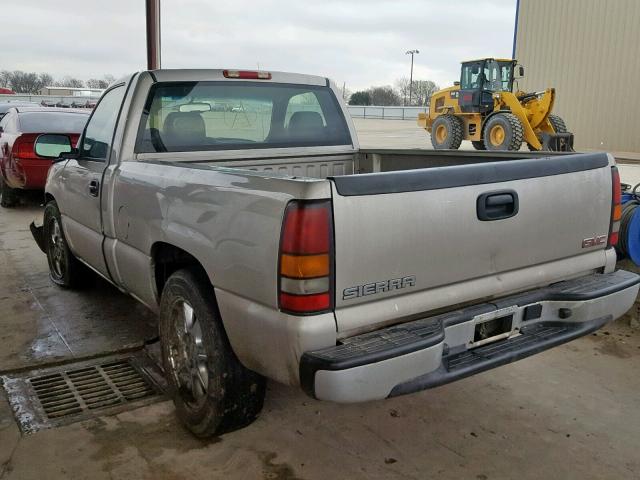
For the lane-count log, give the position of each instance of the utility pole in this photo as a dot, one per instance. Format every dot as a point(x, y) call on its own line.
point(153, 34)
point(412, 53)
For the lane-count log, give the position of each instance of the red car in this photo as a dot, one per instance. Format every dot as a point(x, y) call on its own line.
point(20, 167)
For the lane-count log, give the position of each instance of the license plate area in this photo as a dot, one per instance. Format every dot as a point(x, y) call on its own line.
point(493, 326)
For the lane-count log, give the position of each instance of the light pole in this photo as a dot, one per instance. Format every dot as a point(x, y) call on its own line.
point(412, 53)
point(153, 34)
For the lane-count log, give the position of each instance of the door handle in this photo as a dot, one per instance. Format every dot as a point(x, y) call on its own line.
point(497, 205)
point(94, 188)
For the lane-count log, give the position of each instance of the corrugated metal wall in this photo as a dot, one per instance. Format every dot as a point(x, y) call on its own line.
point(589, 50)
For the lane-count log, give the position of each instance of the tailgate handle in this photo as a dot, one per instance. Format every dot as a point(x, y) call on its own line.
point(497, 205)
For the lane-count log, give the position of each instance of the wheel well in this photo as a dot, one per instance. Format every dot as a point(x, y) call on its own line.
point(168, 259)
point(48, 198)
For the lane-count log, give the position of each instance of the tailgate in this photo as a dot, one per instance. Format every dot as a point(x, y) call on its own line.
point(401, 237)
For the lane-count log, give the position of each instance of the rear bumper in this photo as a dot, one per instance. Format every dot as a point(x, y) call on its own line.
point(433, 351)
point(28, 174)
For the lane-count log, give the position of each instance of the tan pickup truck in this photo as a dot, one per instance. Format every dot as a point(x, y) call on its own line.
point(239, 207)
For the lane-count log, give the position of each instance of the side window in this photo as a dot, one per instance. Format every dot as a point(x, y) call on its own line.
point(303, 102)
point(8, 122)
point(99, 133)
point(470, 77)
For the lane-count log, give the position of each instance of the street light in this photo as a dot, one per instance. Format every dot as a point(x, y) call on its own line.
point(412, 53)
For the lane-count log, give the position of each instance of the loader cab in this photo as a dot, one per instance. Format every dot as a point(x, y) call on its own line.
point(479, 79)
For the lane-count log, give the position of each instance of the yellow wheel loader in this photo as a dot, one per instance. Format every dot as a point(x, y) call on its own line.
point(483, 107)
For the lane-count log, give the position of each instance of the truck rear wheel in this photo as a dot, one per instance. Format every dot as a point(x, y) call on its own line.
point(447, 132)
point(212, 391)
point(8, 196)
point(65, 269)
point(503, 131)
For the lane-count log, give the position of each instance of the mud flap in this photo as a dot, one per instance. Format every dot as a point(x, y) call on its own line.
point(557, 142)
point(38, 235)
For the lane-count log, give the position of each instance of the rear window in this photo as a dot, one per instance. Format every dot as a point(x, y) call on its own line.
point(54, 122)
point(196, 116)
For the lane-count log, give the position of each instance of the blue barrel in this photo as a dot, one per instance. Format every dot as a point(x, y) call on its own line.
point(629, 240)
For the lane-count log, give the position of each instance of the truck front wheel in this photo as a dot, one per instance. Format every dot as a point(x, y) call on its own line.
point(65, 269)
point(212, 391)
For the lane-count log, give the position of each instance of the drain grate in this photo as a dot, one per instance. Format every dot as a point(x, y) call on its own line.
point(100, 386)
point(65, 395)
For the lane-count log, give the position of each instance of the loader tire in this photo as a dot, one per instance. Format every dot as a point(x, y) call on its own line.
point(478, 144)
point(558, 126)
point(503, 131)
point(447, 132)
point(557, 123)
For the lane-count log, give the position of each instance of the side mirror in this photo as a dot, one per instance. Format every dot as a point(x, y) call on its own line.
point(520, 71)
point(52, 145)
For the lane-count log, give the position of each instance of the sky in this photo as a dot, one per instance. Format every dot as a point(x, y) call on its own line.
point(359, 42)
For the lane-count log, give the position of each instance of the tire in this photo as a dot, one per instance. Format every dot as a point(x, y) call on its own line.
point(447, 132)
point(9, 197)
point(558, 126)
point(557, 123)
point(65, 269)
point(478, 144)
point(212, 391)
point(503, 131)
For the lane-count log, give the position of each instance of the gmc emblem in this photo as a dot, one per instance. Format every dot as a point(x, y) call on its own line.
point(594, 241)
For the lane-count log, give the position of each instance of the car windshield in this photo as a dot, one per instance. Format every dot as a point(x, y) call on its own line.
point(58, 122)
point(194, 116)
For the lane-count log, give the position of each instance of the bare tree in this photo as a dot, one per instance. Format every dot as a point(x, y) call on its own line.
point(5, 78)
point(45, 80)
point(70, 82)
point(104, 82)
point(402, 87)
point(96, 83)
point(384, 96)
point(24, 82)
point(421, 90)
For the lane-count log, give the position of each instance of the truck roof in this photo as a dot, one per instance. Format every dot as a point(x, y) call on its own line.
point(190, 75)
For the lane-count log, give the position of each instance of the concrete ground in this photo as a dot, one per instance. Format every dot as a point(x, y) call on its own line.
point(569, 413)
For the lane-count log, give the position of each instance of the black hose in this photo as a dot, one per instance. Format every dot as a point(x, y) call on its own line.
point(628, 209)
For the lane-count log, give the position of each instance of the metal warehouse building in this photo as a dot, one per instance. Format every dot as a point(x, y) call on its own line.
point(589, 50)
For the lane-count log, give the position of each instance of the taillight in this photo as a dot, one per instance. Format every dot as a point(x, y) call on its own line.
point(247, 74)
point(616, 207)
point(23, 147)
point(306, 258)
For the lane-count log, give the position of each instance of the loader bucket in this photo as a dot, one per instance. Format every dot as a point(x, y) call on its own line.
point(558, 142)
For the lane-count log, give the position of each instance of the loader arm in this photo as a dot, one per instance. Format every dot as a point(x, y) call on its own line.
point(509, 100)
point(540, 108)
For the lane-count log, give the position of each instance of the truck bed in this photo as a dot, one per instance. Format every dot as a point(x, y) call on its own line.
point(371, 161)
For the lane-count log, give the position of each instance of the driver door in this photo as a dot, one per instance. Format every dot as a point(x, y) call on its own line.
point(82, 182)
